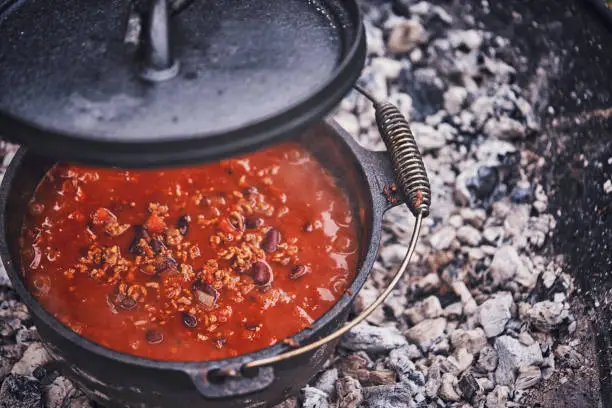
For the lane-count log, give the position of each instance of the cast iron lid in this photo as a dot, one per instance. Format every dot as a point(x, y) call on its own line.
point(149, 82)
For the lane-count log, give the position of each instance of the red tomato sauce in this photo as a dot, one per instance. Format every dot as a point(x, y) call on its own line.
point(196, 263)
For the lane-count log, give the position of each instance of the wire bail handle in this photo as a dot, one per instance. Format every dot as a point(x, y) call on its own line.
point(413, 182)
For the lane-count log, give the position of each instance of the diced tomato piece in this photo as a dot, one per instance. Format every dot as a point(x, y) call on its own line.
point(226, 226)
point(103, 216)
point(155, 224)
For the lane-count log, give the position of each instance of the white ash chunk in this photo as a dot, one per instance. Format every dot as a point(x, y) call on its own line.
point(9, 354)
point(4, 279)
point(505, 128)
point(428, 283)
point(365, 297)
point(443, 238)
point(487, 360)
point(462, 194)
point(447, 388)
point(455, 221)
point(472, 340)
point(15, 311)
point(607, 187)
point(482, 108)
point(493, 235)
point(468, 302)
point(393, 254)
point(80, 400)
point(547, 315)
point(469, 235)
point(416, 56)
point(512, 355)
point(397, 302)
point(375, 42)
point(516, 220)
point(403, 101)
point(494, 313)
point(389, 67)
point(462, 359)
point(327, 382)
point(27, 336)
point(474, 216)
point(447, 131)
point(376, 84)
point(405, 36)
point(427, 137)
point(35, 356)
point(348, 121)
point(314, 398)
point(528, 377)
point(440, 345)
point(507, 265)
point(539, 228)
point(288, 403)
point(350, 394)
point(58, 392)
point(9, 326)
point(476, 254)
point(400, 361)
point(372, 339)
point(442, 14)
point(428, 308)
point(526, 339)
point(385, 396)
point(427, 332)
point(453, 311)
point(436, 119)
point(434, 380)
point(485, 384)
point(498, 398)
point(472, 39)
point(454, 99)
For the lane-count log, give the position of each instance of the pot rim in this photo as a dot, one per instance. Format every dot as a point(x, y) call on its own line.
point(369, 163)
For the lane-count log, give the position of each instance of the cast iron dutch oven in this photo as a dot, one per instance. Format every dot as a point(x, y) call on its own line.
point(116, 379)
point(73, 94)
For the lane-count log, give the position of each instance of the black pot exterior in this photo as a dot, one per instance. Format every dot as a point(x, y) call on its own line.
point(120, 380)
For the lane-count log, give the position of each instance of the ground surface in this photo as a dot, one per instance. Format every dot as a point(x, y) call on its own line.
point(509, 298)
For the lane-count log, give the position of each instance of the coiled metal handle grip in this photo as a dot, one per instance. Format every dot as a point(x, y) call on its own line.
point(405, 156)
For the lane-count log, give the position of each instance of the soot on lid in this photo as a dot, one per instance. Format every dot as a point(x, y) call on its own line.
point(249, 72)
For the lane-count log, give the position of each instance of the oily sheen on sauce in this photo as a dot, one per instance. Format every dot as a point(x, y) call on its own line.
point(196, 263)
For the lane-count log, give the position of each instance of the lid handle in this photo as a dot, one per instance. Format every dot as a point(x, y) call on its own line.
point(158, 63)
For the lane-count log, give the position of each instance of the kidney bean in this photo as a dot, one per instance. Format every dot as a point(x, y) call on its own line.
point(183, 224)
point(298, 272)
point(135, 247)
point(156, 245)
point(252, 223)
point(205, 294)
point(271, 240)
point(164, 263)
point(261, 273)
point(154, 336)
point(127, 304)
point(189, 320)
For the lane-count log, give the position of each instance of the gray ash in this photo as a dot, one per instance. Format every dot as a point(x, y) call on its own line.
point(484, 315)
